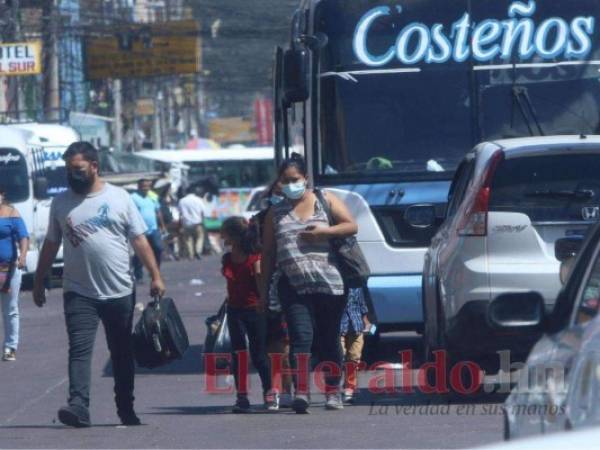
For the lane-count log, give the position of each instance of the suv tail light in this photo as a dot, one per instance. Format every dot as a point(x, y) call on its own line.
point(476, 216)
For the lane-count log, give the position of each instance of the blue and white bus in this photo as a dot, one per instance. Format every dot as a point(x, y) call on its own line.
point(385, 97)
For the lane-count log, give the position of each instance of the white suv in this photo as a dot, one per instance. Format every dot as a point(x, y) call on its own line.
point(509, 202)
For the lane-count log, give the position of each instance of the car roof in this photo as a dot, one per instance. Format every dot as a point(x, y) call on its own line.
point(528, 146)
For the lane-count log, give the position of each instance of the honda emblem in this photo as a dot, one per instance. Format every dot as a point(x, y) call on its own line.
point(590, 213)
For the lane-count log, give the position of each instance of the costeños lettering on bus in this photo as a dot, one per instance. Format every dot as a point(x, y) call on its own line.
point(484, 41)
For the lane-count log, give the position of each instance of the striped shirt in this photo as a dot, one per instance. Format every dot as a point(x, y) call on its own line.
point(311, 268)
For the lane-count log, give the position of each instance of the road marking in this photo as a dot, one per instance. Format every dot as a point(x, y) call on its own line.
point(34, 401)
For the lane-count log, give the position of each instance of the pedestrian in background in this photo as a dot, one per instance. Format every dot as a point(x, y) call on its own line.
point(14, 243)
point(353, 325)
point(171, 219)
point(149, 207)
point(245, 314)
point(212, 241)
point(192, 212)
point(96, 222)
point(296, 241)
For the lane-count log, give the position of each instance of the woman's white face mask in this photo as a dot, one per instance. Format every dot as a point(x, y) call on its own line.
point(294, 191)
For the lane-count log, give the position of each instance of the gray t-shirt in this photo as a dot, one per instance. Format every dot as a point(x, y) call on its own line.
point(95, 231)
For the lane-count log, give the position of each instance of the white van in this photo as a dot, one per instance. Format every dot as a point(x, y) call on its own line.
point(32, 171)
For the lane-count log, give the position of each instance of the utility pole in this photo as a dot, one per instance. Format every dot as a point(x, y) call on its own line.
point(4, 21)
point(52, 87)
point(19, 95)
point(200, 108)
point(157, 125)
point(118, 110)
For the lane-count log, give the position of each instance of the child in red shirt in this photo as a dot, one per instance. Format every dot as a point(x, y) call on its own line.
point(245, 317)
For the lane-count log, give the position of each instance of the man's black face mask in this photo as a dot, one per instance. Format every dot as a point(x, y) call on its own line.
point(80, 181)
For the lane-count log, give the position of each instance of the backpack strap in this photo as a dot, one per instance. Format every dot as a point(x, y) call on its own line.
point(325, 204)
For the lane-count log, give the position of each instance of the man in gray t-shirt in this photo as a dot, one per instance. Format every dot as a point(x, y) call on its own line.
point(95, 234)
point(96, 223)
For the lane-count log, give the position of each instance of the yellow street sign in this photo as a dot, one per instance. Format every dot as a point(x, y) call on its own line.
point(231, 129)
point(143, 51)
point(21, 58)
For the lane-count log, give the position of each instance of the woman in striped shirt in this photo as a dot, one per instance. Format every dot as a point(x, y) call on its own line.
point(296, 240)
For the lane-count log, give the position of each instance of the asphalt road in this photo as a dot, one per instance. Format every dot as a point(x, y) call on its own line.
point(179, 413)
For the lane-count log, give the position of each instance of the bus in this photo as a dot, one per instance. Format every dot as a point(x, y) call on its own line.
point(235, 173)
point(385, 97)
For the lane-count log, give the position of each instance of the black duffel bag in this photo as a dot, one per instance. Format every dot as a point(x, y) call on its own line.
point(351, 260)
point(159, 336)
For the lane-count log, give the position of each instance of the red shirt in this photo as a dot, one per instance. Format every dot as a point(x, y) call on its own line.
point(241, 282)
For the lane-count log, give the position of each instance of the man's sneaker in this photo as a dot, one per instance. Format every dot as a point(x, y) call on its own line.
point(129, 418)
point(285, 400)
point(301, 403)
point(9, 354)
point(333, 402)
point(74, 416)
point(242, 405)
point(348, 396)
point(272, 400)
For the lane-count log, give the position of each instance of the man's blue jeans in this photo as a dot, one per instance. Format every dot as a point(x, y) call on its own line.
point(10, 312)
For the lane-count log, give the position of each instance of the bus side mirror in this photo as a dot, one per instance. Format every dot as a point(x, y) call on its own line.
point(40, 188)
point(295, 85)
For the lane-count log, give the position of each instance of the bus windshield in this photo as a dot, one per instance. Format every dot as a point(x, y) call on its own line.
point(409, 87)
point(233, 174)
point(13, 175)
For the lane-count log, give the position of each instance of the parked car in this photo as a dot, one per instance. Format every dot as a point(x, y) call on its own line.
point(559, 387)
point(509, 202)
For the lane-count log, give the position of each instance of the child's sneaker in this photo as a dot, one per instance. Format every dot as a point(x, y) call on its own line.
point(333, 402)
point(242, 405)
point(9, 355)
point(272, 400)
point(348, 396)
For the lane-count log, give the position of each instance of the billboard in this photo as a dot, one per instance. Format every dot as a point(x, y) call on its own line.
point(141, 51)
point(231, 129)
point(21, 58)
